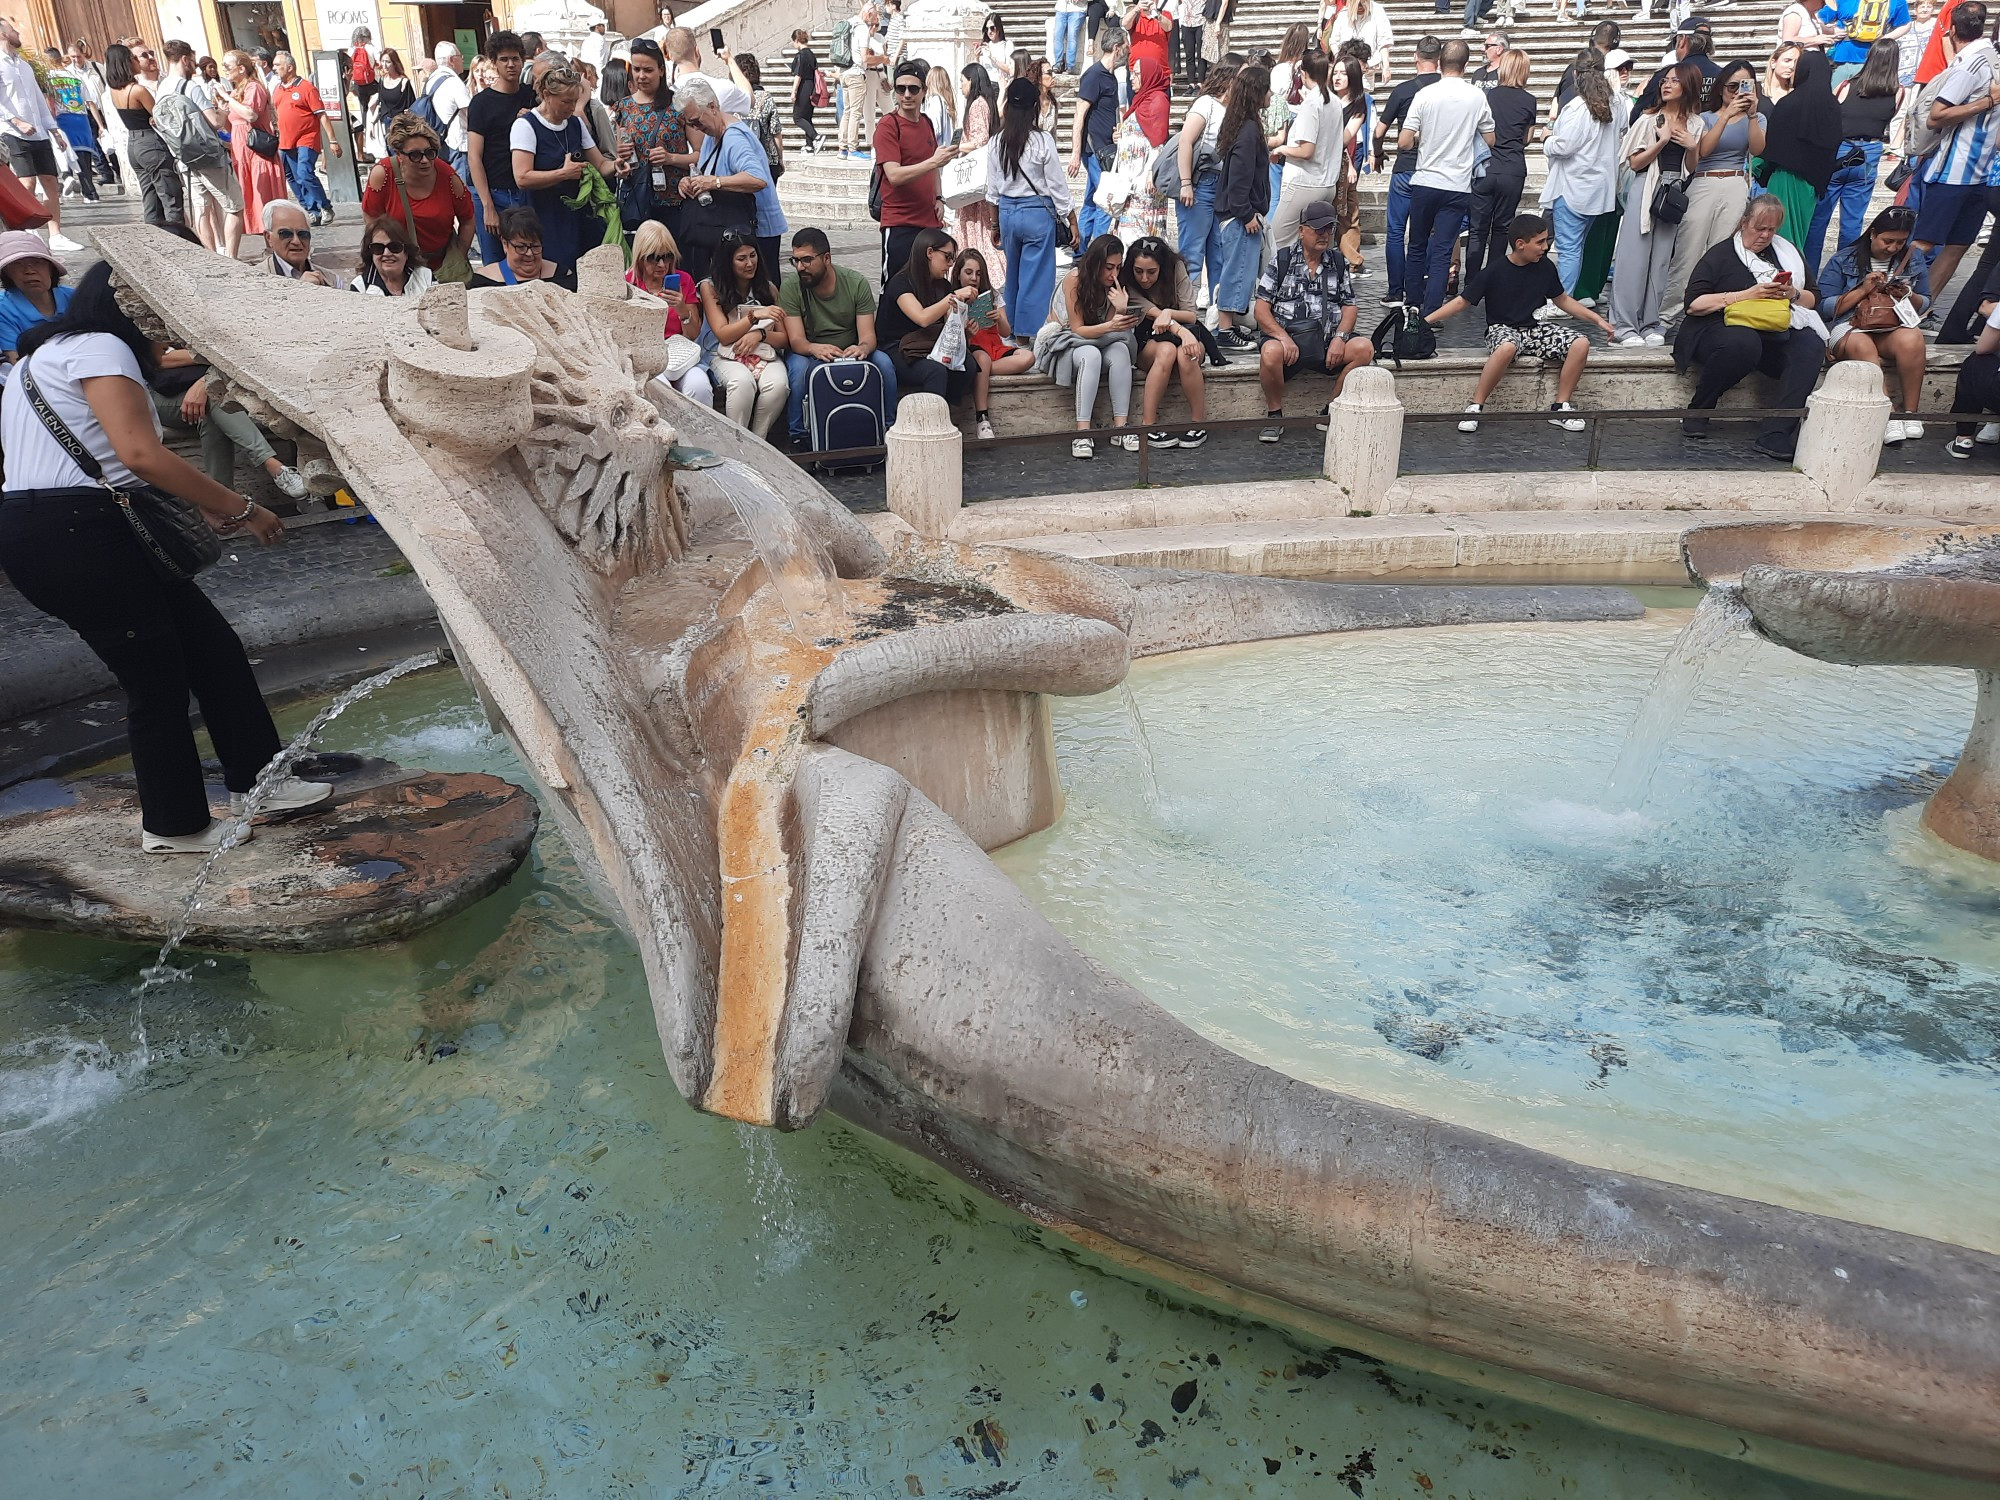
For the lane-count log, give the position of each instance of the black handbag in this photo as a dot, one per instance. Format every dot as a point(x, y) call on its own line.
point(174, 535)
point(263, 143)
point(1670, 200)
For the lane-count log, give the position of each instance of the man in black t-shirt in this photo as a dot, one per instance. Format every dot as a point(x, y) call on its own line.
point(1095, 121)
point(1513, 286)
point(489, 120)
point(1386, 130)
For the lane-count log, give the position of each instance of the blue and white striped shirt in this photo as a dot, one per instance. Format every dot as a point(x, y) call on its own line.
point(1965, 156)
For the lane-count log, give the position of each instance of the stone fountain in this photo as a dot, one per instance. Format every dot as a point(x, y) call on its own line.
point(1869, 595)
point(781, 752)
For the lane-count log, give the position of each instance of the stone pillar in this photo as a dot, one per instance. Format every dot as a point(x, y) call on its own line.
point(1841, 441)
point(1364, 441)
point(926, 465)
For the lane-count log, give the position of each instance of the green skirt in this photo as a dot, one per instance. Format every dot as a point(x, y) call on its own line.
point(1594, 269)
point(1800, 201)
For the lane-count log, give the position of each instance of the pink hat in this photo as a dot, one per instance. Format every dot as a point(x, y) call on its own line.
point(23, 244)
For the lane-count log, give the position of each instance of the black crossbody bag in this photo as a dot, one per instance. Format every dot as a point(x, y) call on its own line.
point(174, 535)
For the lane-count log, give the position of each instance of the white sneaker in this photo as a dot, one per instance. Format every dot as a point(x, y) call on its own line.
point(1082, 447)
point(286, 794)
point(1129, 441)
point(205, 842)
point(1912, 429)
point(1566, 423)
point(290, 482)
point(1471, 423)
point(1548, 312)
point(1632, 341)
point(985, 429)
point(63, 244)
point(1893, 432)
point(1655, 340)
point(1990, 433)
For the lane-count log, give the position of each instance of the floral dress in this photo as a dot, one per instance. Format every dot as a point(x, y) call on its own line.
point(978, 226)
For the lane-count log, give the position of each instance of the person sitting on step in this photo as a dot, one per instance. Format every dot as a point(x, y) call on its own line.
point(1305, 306)
point(1512, 286)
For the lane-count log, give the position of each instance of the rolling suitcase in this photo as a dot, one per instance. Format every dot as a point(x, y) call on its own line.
point(846, 407)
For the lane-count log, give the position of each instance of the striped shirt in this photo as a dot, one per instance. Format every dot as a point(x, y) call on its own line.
point(1965, 156)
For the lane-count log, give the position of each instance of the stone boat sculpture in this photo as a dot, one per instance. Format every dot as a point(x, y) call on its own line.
point(782, 752)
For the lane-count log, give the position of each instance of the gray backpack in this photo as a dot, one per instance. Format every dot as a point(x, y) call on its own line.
point(190, 139)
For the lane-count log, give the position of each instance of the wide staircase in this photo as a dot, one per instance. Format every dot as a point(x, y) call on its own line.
point(829, 192)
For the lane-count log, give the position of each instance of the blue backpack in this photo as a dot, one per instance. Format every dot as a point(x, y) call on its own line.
point(426, 110)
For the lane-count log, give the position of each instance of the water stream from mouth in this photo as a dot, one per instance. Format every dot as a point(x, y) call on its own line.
point(1714, 644)
point(801, 573)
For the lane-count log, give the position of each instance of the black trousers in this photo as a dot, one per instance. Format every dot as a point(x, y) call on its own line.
point(159, 180)
point(896, 242)
point(1978, 389)
point(922, 374)
point(72, 556)
point(803, 115)
point(1726, 355)
point(1496, 198)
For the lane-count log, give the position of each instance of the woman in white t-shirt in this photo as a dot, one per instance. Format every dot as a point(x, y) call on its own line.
point(1365, 21)
point(67, 546)
point(1311, 153)
point(1200, 237)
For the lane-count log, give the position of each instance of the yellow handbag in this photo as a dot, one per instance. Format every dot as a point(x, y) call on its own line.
point(1765, 314)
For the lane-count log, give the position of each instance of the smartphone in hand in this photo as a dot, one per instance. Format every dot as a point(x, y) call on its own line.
point(715, 44)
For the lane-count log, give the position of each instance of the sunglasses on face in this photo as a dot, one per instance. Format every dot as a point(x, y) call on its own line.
point(383, 248)
point(658, 256)
point(420, 156)
point(294, 234)
point(909, 88)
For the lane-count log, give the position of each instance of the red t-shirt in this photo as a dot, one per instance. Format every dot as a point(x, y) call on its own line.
point(907, 142)
point(1933, 61)
point(437, 215)
point(298, 106)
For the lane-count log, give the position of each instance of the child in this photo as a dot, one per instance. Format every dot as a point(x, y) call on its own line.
point(1512, 286)
point(988, 338)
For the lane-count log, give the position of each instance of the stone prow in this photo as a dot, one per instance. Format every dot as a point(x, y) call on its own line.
point(1111, 1115)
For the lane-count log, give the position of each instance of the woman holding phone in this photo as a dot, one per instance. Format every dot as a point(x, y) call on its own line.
point(656, 268)
point(1732, 131)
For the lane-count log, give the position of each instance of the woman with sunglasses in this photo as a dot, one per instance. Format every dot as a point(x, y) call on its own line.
point(656, 268)
point(388, 269)
point(1881, 261)
point(248, 104)
point(521, 260)
point(741, 306)
point(418, 186)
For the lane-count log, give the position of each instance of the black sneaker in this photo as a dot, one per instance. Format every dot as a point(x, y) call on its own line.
point(1325, 417)
point(1159, 437)
point(1229, 338)
point(1194, 437)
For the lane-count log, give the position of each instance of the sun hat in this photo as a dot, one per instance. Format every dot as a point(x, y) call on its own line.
point(21, 244)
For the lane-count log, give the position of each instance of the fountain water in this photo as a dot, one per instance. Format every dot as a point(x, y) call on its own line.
point(801, 573)
point(1150, 772)
point(1712, 645)
point(160, 971)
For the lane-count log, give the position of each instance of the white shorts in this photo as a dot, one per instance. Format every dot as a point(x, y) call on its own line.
point(214, 183)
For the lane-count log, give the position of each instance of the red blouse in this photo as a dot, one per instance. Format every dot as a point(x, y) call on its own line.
point(437, 215)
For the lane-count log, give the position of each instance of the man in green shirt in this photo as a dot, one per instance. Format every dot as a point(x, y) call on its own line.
point(829, 315)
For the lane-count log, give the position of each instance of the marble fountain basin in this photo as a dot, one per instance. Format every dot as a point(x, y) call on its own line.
point(782, 754)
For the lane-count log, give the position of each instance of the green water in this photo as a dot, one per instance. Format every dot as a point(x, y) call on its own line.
point(430, 1220)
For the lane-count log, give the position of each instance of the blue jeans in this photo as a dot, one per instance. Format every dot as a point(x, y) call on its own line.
point(489, 234)
point(1850, 187)
point(1028, 242)
point(1399, 220)
point(1091, 221)
point(1572, 228)
point(800, 368)
point(1437, 215)
point(1069, 40)
point(299, 164)
point(1240, 250)
point(1200, 236)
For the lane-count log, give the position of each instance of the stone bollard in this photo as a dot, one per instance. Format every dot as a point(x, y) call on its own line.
point(1364, 441)
point(1841, 441)
point(926, 465)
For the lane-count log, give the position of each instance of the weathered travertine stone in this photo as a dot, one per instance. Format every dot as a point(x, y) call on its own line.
point(926, 465)
point(1840, 441)
point(1364, 441)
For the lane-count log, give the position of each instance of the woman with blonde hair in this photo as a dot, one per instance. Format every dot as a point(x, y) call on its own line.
point(550, 144)
point(740, 305)
point(1781, 71)
point(249, 109)
point(656, 268)
point(416, 186)
point(1364, 21)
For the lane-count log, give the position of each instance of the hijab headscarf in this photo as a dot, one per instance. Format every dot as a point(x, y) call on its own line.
point(1804, 136)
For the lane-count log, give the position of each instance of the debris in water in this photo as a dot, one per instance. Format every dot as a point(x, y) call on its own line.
point(1078, 1300)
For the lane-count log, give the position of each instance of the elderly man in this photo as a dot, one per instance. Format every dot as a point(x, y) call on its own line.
point(1305, 307)
point(289, 234)
point(28, 124)
point(449, 99)
point(301, 132)
point(732, 173)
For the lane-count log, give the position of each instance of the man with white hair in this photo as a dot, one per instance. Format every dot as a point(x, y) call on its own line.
point(449, 101)
point(301, 132)
point(28, 125)
point(290, 238)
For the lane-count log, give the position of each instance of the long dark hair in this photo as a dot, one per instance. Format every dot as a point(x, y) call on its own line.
point(927, 288)
point(615, 87)
point(1688, 76)
point(118, 70)
point(1249, 92)
point(983, 87)
point(1161, 254)
point(972, 258)
point(729, 294)
point(1316, 69)
point(1222, 75)
point(1357, 90)
point(1592, 87)
point(1093, 298)
point(94, 309)
point(1879, 73)
point(1018, 117)
point(1718, 86)
point(1895, 217)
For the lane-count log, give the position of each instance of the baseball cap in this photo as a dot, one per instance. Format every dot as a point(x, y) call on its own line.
point(1319, 215)
point(1617, 58)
